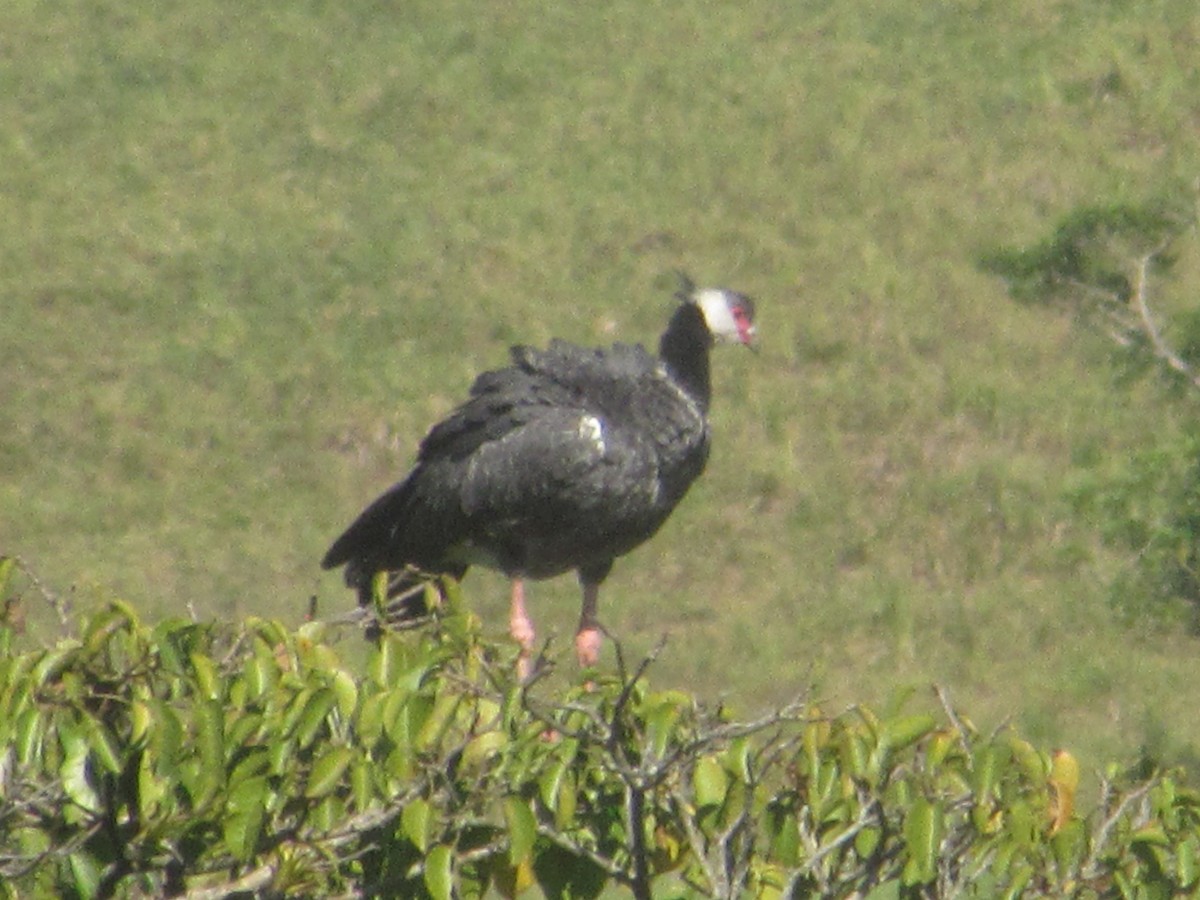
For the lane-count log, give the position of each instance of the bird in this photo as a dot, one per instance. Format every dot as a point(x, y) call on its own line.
point(566, 459)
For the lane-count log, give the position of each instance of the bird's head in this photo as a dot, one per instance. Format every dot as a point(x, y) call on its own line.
point(728, 315)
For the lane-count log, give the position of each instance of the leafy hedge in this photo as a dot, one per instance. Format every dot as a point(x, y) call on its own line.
point(197, 760)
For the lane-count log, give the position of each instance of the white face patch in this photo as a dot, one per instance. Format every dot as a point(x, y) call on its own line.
point(592, 429)
point(717, 315)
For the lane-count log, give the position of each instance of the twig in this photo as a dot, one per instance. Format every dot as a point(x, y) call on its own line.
point(61, 607)
point(556, 836)
point(251, 882)
point(944, 699)
point(866, 816)
point(695, 839)
point(1100, 838)
point(631, 682)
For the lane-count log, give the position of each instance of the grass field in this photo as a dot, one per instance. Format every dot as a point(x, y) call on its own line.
point(253, 250)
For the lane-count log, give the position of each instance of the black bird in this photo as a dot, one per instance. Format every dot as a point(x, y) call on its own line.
point(566, 459)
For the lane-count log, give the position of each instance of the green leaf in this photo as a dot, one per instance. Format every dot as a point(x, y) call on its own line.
point(329, 812)
point(940, 745)
point(244, 820)
point(855, 756)
point(103, 745)
point(141, 721)
point(362, 783)
point(104, 624)
point(1152, 833)
point(30, 736)
point(53, 662)
point(369, 723)
point(1187, 862)
point(210, 742)
point(208, 681)
point(254, 761)
point(280, 754)
point(385, 663)
point(924, 826)
point(153, 791)
point(482, 748)
point(435, 726)
point(415, 822)
point(664, 711)
point(522, 829)
point(270, 632)
point(563, 874)
point(327, 771)
point(400, 764)
point(566, 801)
point(709, 782)
point(866, 841)
point(346, 691)
point(395, 714)
point(784, 833)
point(85, 874)
point(737, 759)
point(1032, 764)
point(1069, 844)
point(294, 710)
point(988, 761)
point(313, 716)
point(167, 735)
point(903, 731)
point(439, 877)
point(74, 769)
point(244, 728)
point(210, 732)
point(261, 674)
point(557, 787)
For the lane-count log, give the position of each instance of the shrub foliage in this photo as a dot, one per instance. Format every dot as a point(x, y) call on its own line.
point(196, 760)
point(1102, 263)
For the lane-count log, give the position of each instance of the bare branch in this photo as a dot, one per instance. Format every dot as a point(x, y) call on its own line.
point(868, 815)
point(964, 735)
point(1091, 867)
point(1161, 349)
point(251, 882)
point(61, 607)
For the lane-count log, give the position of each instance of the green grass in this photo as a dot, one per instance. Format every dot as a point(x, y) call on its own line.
point(253, 251)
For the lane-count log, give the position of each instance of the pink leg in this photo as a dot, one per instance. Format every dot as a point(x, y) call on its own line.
point(521, 627)
point(589, 638)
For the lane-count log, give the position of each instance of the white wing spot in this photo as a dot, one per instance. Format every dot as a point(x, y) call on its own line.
point(592, 429)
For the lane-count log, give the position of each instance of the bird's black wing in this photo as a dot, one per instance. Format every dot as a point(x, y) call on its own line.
point(562, 377)
point(568, 457)
point(421, 518)
point(563, 459)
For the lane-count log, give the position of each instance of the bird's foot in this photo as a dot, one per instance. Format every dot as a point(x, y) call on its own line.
point(588, 641)
point(522, 632)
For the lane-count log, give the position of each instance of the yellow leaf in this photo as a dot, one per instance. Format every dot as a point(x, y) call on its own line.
point(510, 880)
point(1064, 782)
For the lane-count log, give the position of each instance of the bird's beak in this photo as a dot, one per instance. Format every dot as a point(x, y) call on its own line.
point(748, 335)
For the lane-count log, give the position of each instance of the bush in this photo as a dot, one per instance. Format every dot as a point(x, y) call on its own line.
point(1099, 263)
point(197, 760)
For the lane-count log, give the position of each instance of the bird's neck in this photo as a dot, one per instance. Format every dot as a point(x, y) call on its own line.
point(684, 348)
